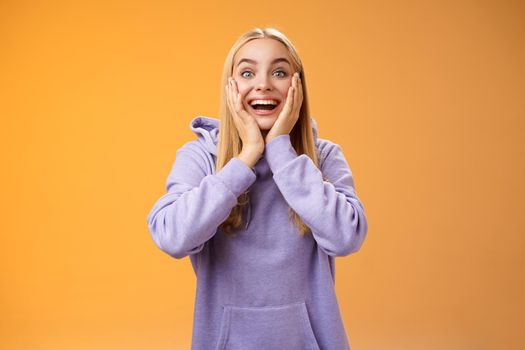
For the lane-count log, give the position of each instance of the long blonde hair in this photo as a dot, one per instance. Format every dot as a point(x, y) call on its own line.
point(230, 143)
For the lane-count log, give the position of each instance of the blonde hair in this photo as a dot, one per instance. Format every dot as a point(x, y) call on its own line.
point(230, 143)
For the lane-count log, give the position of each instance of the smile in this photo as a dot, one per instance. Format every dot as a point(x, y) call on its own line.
point(263, 106)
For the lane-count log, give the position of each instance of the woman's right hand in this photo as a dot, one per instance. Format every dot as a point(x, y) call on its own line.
point(249, 132)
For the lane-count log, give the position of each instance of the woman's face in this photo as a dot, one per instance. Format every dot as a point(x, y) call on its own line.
point(263, 70)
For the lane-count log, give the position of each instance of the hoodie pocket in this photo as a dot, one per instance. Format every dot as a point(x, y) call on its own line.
point(266, 327)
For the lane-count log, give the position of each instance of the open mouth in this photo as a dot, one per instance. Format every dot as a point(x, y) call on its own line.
point(264, 105)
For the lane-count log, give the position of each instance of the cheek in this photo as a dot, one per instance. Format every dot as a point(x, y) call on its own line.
point(243, 89)
point(241, 86)
point(284, 87)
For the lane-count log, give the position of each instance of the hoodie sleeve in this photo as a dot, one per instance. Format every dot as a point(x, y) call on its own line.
point(331, 209)
point(196, 202)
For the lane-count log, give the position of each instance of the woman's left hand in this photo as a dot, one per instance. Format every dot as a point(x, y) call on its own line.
point(290, 112)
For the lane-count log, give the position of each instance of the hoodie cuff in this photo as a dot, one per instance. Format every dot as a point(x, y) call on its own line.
point(279, 151)
point(237, 176)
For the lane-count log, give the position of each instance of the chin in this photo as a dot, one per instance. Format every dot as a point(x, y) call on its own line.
point(266, 122)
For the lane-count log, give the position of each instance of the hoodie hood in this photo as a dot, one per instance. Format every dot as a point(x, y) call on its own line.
point(207, 130)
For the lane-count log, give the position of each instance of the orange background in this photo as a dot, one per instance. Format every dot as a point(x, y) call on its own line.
point(426, 99)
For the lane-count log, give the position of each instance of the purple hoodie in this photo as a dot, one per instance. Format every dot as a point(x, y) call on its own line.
point(267, 288)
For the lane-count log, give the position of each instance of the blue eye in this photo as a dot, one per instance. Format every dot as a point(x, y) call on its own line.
point(284, 74)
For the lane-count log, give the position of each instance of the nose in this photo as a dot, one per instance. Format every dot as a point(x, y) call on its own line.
point(263, 84)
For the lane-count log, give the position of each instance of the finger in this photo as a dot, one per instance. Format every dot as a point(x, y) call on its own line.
point(233, 94)
point(300, 90)
point(231, 104)
point(227, 91)
point(239, 113)
point(239, 107)
point(236, 94)
point(233, 98)
point(238, 104)
point(289, 100)
point(235, 118)
point(297, 94)
point(229, 97)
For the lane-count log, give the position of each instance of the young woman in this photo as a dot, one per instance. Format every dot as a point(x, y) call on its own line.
point(262, 206)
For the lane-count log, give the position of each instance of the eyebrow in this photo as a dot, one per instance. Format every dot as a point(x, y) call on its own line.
point(248, 60)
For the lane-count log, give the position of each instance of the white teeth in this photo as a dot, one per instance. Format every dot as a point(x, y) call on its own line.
point(263, 102)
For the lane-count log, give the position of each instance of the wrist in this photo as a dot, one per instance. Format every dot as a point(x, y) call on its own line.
point(249, 157)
